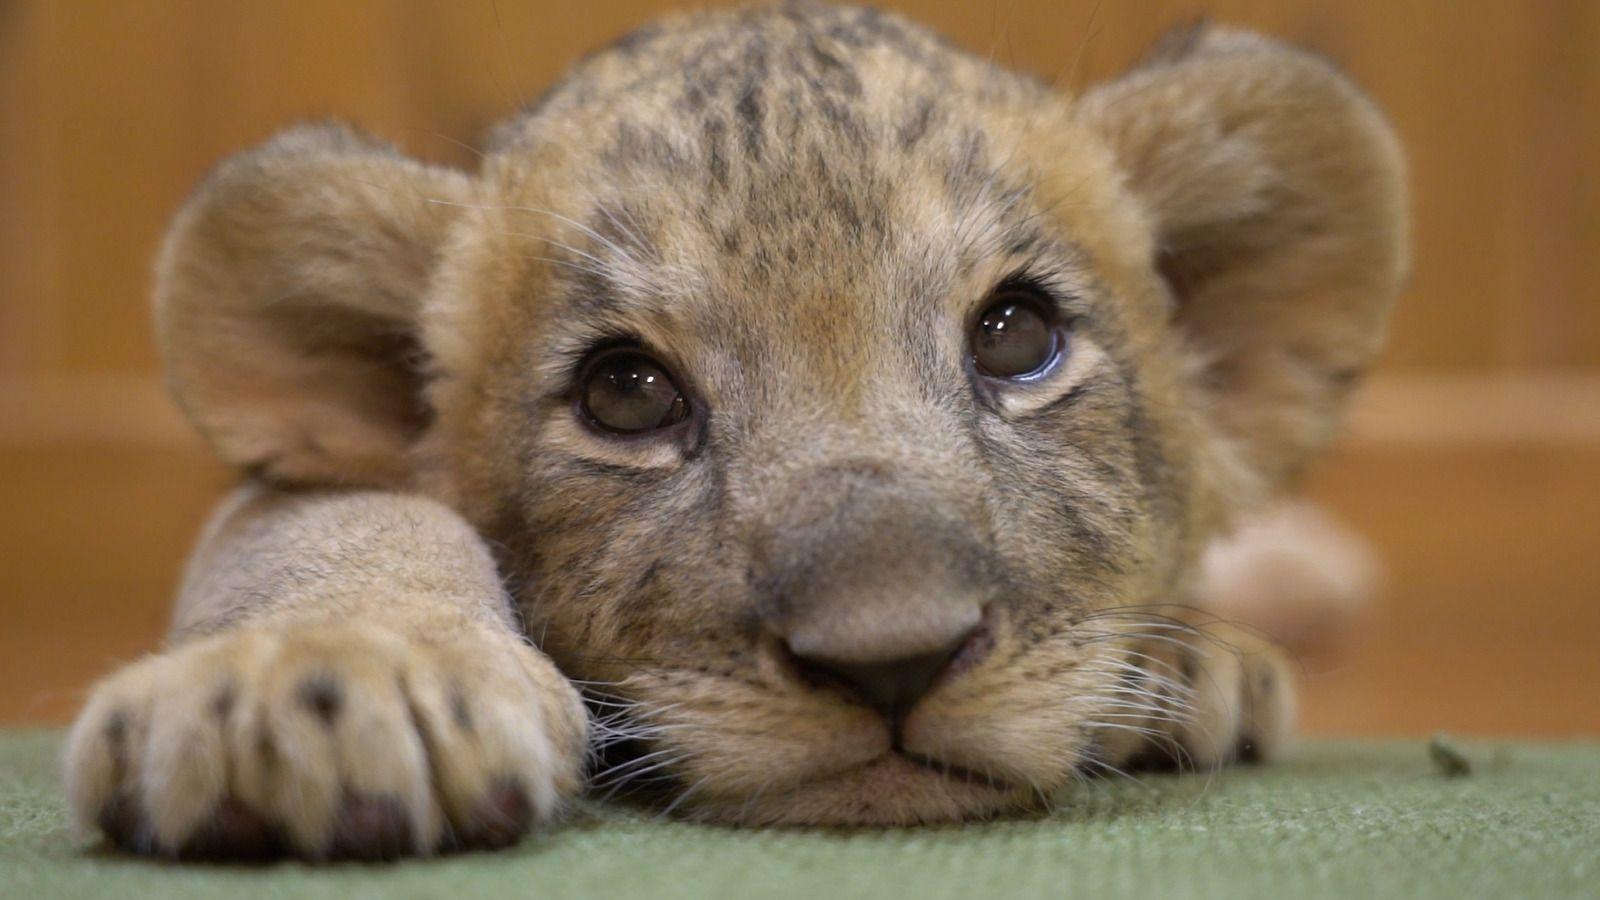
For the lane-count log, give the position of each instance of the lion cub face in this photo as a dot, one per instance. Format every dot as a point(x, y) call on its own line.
point(841, 406)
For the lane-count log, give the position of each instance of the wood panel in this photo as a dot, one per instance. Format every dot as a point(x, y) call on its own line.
point(1477, 456)
point(1488, 622)
point(112, 110)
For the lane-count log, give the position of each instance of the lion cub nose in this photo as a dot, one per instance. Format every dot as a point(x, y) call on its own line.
point(872, 581)
point(890, 686)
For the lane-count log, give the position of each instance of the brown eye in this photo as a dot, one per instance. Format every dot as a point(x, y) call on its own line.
point(1013, 336)
point(627, 392)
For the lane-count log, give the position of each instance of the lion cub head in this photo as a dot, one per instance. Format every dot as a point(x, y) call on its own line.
point(834, 399)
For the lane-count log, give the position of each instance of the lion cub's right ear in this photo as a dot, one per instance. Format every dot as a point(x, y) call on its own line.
point(287, 296)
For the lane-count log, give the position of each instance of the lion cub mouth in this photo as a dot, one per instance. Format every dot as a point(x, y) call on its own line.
point(894, 789)
point(945, 770)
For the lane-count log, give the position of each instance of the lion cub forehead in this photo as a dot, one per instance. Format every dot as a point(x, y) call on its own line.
point(812, 149)
point(715, 91)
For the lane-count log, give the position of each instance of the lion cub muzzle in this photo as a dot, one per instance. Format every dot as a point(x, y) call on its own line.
point(872, 584)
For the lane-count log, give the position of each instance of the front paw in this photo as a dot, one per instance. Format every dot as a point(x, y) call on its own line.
point(1196, 693)
point(326, 742)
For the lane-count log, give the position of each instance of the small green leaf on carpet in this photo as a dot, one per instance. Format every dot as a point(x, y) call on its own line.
point(1448, 758)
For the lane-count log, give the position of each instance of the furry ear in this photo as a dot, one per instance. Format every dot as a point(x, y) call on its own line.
point(1277, 195)
point(287, 296)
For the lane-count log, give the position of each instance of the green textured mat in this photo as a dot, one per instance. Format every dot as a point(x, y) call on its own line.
point(1332, 819)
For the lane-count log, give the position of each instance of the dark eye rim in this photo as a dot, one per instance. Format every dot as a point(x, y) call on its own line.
point(609, 352)
point(1043, 303)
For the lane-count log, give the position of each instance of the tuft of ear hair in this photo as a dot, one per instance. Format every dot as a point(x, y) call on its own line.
point(1276, 191)
point(287, 295)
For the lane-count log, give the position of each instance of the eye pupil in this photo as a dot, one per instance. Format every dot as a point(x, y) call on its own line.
point(1013, 338)
point(627, 392)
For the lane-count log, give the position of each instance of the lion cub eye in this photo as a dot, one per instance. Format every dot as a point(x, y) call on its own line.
point(627, 392)
point(1014, 336)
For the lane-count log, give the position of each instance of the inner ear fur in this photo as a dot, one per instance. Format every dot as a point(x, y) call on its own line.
point(1277, 194)
point(287, 298)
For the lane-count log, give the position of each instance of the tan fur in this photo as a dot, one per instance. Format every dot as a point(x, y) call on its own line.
point(390, 598)
point(799, 210)
point(1294, 572)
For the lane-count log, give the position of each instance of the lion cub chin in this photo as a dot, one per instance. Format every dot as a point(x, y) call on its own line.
point(794, 418)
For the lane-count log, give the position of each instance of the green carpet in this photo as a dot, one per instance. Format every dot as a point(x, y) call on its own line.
point(1331, 820)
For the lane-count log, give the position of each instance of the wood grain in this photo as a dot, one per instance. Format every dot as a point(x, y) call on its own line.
point(1475, 458)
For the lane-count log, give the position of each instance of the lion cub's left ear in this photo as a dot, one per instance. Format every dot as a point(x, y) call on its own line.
point(1277, 195)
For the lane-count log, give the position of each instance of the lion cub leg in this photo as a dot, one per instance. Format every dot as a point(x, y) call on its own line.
point(345, 680)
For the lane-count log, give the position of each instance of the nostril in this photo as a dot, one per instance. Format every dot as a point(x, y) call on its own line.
point(890, 686)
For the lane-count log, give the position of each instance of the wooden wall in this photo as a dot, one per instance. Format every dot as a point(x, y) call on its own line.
point(1474, 459)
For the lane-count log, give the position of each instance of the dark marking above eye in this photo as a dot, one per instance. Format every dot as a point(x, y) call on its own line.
point(1023, 241)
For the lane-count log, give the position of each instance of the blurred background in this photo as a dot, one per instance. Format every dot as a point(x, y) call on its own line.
point(1472, 462)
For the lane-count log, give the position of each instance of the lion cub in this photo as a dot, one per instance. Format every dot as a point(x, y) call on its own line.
point(840, 415)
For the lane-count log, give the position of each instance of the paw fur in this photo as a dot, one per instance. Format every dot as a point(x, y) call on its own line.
point(326, 743)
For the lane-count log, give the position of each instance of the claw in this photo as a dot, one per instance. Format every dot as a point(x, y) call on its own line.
point(124, 823)
point(234, 833)
point(371, 828)
point(501, 820)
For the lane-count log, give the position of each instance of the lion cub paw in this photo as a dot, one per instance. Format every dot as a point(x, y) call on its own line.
point(1201, 696)
point(326, 742)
